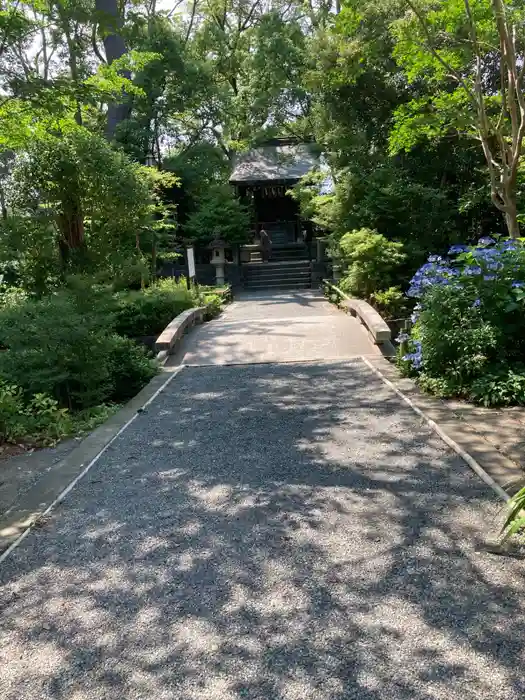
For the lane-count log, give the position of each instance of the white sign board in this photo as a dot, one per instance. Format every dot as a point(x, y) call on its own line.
point(191, 263)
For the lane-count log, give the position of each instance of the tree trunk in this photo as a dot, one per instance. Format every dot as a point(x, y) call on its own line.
point(511, 219)
point(154, 258)
point(505, 200)
point(114, 46)
point(3, 205)
point(71, 226)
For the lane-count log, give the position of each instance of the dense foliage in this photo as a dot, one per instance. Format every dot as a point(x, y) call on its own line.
point(390, 90)
point(219, 214)
point(70, 356)
point(65, 347)
point(402, 141)
point(469, 334)
point(38, 417)
point(148, 312)
point(369, 264)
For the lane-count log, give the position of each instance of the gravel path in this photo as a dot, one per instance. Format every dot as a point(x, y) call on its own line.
point(268, 532)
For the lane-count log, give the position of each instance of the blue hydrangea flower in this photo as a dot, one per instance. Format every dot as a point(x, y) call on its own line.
point(489, 278)
point(417, 361)
point(476, 304)
point(518, 285)
point(486, 240)
point(414, 358)
point(510, 244)
point(473, 270)
point(435, 258)
point(458, 248)
point(402, 337)
point(486, 253)
point(431, 273)
point(414, 316)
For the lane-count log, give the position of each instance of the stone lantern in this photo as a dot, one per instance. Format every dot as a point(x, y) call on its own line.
point(218, 259)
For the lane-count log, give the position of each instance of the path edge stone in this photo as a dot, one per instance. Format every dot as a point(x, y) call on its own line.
point(500, 473)
point(47, 492)
point(22, 515)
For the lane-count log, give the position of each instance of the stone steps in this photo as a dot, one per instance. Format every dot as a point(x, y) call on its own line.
point(279, 268)
point(291, 254)
point(303, 276)
point(277, 263)
point(288, 274)
point(281, 284)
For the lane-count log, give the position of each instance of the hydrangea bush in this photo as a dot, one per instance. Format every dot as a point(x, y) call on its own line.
point(468, 334)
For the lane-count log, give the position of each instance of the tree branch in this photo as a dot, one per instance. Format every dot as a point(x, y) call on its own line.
point(192, 19)
point(245, 24)
point(437, 55)
point(3, 42)
point(94, 45)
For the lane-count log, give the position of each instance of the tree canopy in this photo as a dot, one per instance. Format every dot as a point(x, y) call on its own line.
point(417, 105)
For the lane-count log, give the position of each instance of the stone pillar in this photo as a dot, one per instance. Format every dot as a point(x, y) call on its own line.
point(218, 259)
point(320, 249)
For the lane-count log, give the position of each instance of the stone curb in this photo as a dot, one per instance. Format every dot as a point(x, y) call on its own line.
point(504, 475)
point(378, 329)
point(169, 341)
point(36, 501)
point(41, 497)
point(175, 330)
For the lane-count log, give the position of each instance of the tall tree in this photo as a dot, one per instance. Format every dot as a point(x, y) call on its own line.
point(256, 54)
point(110, 24)
point(472, 56)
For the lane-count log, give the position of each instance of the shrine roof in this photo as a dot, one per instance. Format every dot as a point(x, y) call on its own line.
point(284, 162)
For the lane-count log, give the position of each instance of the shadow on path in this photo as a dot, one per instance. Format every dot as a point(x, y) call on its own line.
point(267, 533)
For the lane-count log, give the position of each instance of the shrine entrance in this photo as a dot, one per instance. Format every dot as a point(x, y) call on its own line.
point(274, 211)
point(262, 179)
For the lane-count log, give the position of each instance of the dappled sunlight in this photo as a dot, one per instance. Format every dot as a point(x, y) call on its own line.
point(320, 544)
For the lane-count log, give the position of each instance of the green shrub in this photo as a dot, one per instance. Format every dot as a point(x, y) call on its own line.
point(131, 368)
point(64, 346)
point(11, 296)
point(504, 388)
point(445, 387)
point(148, 312)
point(369, 262)
point(456, 340)
point(515, 520)
point(213, 302)
point(37, 421)
point(56, 348)
point(391, 302)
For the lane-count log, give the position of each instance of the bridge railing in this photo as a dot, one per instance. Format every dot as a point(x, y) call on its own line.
point(378, 329)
